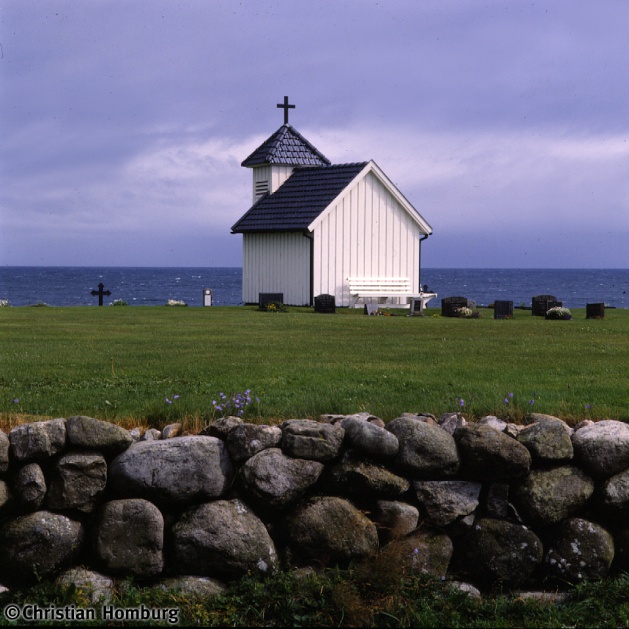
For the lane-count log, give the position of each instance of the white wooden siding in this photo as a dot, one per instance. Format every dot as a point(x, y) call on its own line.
point(366, 234)
point(276, 263)
point(275, 176)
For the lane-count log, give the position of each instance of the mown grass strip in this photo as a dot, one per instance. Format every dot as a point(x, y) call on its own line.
point(123, 364)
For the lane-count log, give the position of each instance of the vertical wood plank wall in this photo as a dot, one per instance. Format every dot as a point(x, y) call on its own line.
point(379, 240)
point(276, 263)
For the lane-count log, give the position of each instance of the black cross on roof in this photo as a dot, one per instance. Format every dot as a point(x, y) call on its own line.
point(285, 107)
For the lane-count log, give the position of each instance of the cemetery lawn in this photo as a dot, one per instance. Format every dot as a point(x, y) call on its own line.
point(125, 364)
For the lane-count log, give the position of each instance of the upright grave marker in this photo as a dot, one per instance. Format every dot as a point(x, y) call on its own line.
point(325, 303)
point(101, 293)
point(595, 311)
point(450, 305)
point(503, 309)
point(542, 303)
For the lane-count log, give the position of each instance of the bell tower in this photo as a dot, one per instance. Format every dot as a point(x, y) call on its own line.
point(273, 162)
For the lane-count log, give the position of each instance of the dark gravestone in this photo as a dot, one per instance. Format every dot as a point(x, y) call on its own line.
point(100, 292)
point(264, 299)
point(450, 305)
point(503, 309)
point(594, 311)
point(324, 303)
point(542, 303)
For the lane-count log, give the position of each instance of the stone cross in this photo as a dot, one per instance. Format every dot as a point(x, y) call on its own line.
point(285, 107)
point(100, 292)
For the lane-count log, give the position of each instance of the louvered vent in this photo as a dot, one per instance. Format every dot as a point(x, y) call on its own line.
point(262, 187)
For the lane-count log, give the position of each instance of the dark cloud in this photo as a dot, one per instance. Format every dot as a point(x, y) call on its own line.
point(132, 117)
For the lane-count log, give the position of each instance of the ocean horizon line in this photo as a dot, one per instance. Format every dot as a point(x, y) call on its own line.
point(423, 268)
point(72, 285)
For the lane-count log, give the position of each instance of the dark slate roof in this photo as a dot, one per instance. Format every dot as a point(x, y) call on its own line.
point(299, 200)
point(286, 146)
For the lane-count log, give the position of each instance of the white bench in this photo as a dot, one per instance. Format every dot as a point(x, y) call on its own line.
point(383, 288)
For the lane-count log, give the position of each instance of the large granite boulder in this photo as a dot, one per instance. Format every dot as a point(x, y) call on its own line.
point(424, 550)
point(547, 441)
point(369, 439)
point(276, 479)
point(38, 545)
point(221, 426)
point(129, 538)
point(602, 448)
point(535, 418)
point(359, 478)
point(395, 519)
point(500, 550)
point(426, 450)
point(548, 496)
point(308, 439)
point(174, 471)
point(38, 441)
point(94, 434)
point(30, 487)
point(445, 501)
point(76, 481)
point(582, 551)
point(327, 530)
point(615, 492)
point(245, 440)
point(222, 539)
point(487, 454)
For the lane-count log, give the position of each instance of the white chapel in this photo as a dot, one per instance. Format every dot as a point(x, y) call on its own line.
point(314, 224)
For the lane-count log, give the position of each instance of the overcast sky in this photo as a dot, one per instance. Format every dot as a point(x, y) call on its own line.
point(123, 123)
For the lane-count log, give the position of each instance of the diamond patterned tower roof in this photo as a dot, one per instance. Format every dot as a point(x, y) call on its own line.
point(287, 147)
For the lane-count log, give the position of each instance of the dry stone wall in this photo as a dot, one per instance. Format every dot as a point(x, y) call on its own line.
point(489, 501)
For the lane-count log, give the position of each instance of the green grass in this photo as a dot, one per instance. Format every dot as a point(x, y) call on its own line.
point(122, 363)
point(353, 599)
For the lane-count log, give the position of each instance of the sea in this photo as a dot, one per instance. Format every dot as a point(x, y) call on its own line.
point(148, 286)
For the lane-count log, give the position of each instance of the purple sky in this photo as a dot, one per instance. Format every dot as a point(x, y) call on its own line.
point(123, 123)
